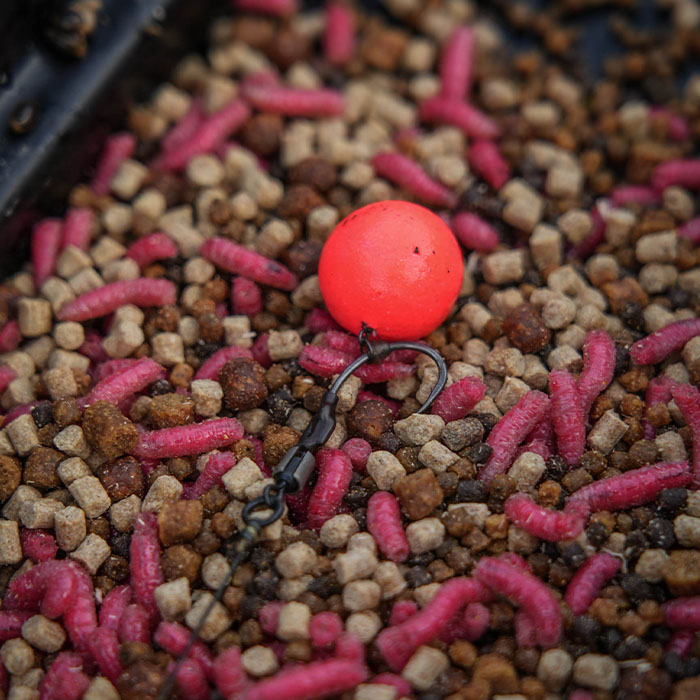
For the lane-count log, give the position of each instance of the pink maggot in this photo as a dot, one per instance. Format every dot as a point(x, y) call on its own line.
point(633, 488)
point(269, 616)
point(188, 439)
point(154, 246)
point(228, 672)
point(683, 612)
point(18, 411)
point(486, 160)
point(687, 398)
point(596, 236)
point(234, 258)
point(567, 416)
point(659, 390)
point(295, 102)
point(384, 371)
point(210, 134)
point(511, 430)
point(7, 374)
point(458, 399)
point(659, 345)
point(325, 628)
point(344, 342)
point(51, 587)
point(350, 648)
point(319, 320)
point(144, 563)
point(324, 362)
point(117, 147)
point(258, 454)
point(456, 64)
point(335, 471)
point(690, 229)
point(549, 525)
point(142, 291)
point(77, 228)
point(541, 438)
point(217, 465)
point(339, 33)
point(104, 368)
point(585, 586)
point(398, 643)
point(580, 694)
point(634, 194)
point(65, 679)
point(473, 232)
point(685, 173)
point(540, 447)
point(92, 347)
point(405, 354)
point(126, 405)
point(80, 620)
point(129, 381)
point(134, 624)
point(681, 642)
point(113, 606)
point(104, 648)
point(10, 337)
point(598, 368)
point(467, 118)
point(678, 127)
point(46, 242)
point(475, 620)
point(246, 297)
point(533, 596)
point(211, 367)
point(455, 629)
point(384, 524)
point(11, 622)
point(148, 465)
point(191, 680)
point(515, 560)
point(401, 610)
point(185, 129)
point(38, 545)
point(260, 352)
point(109, 368)
point(283, 8)
point(525, 629)
point(358, 450)
point(410, 176)
point(173, 637)
point(320, 679)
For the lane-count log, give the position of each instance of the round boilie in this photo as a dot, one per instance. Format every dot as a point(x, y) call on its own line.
point(393, 265)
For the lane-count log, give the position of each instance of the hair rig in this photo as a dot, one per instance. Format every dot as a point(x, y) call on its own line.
point(297, 465)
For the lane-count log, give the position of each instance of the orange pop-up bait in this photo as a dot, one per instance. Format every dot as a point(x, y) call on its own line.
point(393, 265)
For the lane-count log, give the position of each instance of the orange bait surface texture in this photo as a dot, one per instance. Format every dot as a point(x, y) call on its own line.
point(393, 265)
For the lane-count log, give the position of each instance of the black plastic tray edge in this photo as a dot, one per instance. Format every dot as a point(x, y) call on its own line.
point(80, 102)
